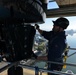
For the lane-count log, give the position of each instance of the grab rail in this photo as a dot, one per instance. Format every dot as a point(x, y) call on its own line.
point(37, 70)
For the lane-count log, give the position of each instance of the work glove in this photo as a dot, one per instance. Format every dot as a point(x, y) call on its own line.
point(36, 26)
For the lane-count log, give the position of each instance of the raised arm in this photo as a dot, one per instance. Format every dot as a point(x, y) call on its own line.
point(39, 30)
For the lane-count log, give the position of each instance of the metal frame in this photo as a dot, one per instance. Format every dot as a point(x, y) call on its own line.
point(68, 11)
point(41, 70)
point(37, 70)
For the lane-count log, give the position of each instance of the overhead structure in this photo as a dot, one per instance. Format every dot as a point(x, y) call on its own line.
point(66, 8)
point(34, 11)
point(64, 3)
point(22, 11)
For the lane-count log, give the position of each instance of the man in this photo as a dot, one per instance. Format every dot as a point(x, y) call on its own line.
point(56, 43)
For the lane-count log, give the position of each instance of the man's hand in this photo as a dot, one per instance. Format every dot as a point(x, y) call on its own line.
point(39, 30)
point(36, 26)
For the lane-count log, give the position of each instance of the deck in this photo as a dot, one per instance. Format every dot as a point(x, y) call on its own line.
point(25, 72)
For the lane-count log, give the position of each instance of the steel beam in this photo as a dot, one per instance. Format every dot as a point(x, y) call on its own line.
point(59, 12)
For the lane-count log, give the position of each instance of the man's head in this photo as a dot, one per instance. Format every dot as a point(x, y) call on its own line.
point(61, 23)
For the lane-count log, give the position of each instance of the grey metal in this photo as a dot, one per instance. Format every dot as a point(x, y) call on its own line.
point(8, 66)
point(71, 48)
point(40, 69)
point(69, 64)
point(45, 70)
point(71, 54)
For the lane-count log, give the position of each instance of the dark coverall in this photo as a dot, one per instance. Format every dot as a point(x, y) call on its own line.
point(56, 47)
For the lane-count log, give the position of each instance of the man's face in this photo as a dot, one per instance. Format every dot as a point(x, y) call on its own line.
point(55, 28)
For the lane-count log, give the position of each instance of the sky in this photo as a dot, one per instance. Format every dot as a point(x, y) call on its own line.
point(49, 24)
point(48, 21)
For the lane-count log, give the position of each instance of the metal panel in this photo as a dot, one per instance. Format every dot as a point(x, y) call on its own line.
point(68, 11)
point(65, 2)
point(66, 8)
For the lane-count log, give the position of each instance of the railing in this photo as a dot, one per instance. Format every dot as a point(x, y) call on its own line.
point(71, 48)
point(41, 70)
point(37, 70)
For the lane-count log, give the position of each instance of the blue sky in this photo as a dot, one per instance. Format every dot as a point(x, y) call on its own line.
point(48, 21)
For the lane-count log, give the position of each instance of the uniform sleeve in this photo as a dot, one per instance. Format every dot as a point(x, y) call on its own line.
point(46, 35)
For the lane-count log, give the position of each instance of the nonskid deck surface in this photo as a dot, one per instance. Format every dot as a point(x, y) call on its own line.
point(30, 72)
point(25, 72)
